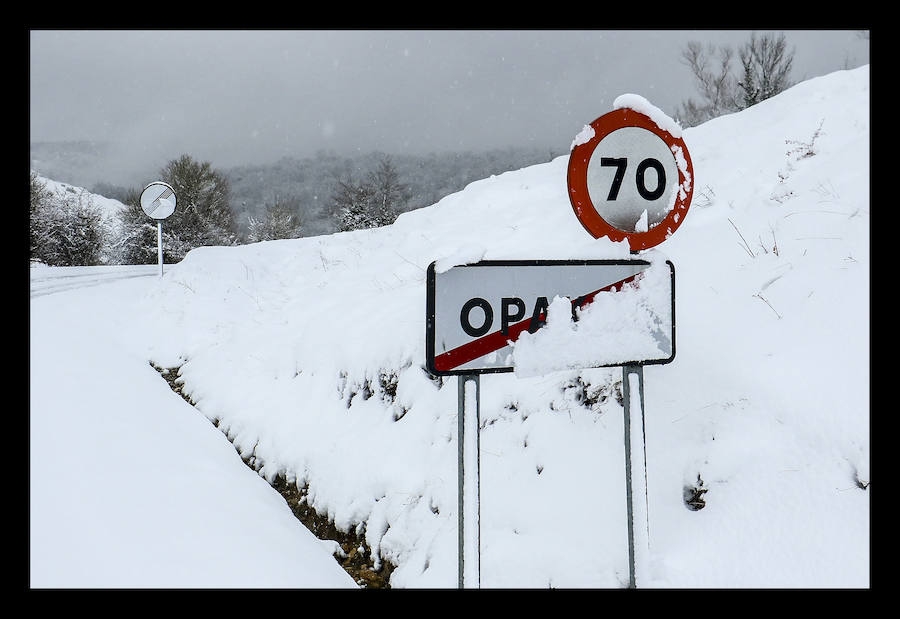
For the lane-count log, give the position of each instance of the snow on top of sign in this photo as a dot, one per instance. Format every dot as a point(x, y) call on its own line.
point(464, 254)
point(584, 136)
point(640, 104)
point(627, 325)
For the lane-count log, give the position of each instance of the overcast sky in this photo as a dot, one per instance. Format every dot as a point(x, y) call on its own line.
point(233, 97)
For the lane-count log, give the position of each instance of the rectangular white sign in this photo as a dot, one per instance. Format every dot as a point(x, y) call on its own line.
point(500, 316)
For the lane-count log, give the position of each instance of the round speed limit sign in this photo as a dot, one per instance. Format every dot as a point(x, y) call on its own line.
point(630, 179)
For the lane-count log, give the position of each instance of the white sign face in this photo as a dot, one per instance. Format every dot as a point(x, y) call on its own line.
point(158, 200)
point(475, 313)
point(632, 191)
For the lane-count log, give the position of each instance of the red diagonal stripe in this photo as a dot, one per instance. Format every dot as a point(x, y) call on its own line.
point(496, 340)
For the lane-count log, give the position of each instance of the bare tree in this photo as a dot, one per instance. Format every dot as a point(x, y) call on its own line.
point(371, 203)
point(281, 221)
point(766, 65)
point(389, 194)
point(764, 62)
point(711, 68)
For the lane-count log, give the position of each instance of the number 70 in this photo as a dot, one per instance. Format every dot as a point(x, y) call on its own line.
point(620, 163)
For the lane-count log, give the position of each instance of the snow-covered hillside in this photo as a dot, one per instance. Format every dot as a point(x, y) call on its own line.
point(107, 207)
point(309, 354)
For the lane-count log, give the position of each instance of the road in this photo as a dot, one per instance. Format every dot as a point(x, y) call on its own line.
point(47, 280)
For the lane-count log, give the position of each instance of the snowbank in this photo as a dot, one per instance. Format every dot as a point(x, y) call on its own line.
point(309, 354)
point(107, 207)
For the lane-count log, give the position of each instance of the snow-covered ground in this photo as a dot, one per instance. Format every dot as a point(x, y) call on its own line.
point(130, 487)
point(309, 354)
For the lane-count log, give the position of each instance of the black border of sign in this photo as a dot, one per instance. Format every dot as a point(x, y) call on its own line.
point(429, 310)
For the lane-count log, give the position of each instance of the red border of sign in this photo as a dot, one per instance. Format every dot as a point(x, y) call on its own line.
point(579, 196)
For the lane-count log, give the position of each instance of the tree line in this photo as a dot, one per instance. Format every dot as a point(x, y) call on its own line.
point(328, 193)
point(67, 228)
point(292, 199)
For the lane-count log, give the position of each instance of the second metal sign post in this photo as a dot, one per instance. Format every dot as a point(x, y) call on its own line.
point(158, 201)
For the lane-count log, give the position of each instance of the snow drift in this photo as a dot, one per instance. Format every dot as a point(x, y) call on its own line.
point(309, 353)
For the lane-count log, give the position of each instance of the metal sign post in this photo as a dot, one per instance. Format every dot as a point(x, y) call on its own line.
point(158, 202)
point(159, 246)
point(636, 475)
point(468, 480)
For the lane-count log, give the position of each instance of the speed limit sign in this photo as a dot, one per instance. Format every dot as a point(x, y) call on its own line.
point(628, 178)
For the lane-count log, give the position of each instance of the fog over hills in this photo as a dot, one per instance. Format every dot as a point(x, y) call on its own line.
point(307, 183)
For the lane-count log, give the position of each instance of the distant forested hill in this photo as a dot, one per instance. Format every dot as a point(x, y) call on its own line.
point(307, 184)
